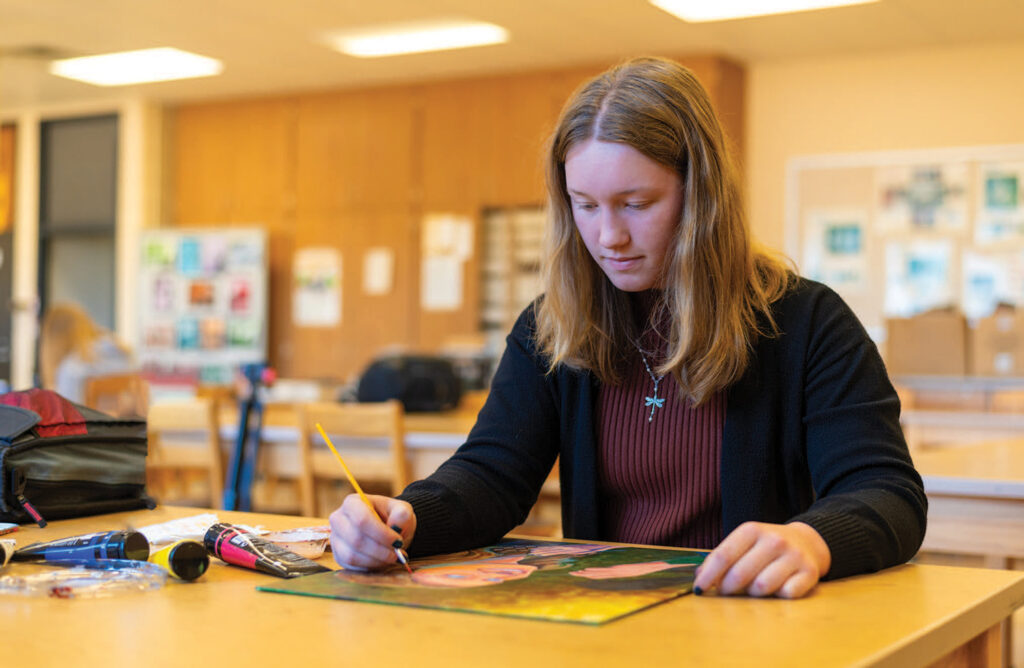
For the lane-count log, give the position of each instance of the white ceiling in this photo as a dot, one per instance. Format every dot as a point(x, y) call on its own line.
point(272, 45)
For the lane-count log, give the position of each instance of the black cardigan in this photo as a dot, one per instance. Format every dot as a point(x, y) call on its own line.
point(811, 434)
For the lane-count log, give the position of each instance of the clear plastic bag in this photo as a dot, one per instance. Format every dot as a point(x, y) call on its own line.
point(102, 578)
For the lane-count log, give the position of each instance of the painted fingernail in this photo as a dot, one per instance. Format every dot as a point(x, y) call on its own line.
point(396, 528)
point(397, 544)
point(697, 590)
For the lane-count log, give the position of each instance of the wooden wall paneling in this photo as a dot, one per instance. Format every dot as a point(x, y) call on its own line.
point(282, 352)
point(354, 183)
point(234, 162)
point(354, 150)
point(369, 323)
point(316, 352)
point(451, 145)
point(374, 323)
point(7, 133)
point(521, 118)
point(453, 131)
point(725, 82)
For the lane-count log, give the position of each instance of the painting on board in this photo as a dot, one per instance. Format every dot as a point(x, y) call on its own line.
point(556, 581)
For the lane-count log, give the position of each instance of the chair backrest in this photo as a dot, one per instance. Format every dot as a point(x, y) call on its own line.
point(120, 395)
point(184, 434)
point(356, 430)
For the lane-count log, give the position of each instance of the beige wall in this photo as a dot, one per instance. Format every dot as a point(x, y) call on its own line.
point(967, 96)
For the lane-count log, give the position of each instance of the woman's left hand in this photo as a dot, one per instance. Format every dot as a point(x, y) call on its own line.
point(759, 559)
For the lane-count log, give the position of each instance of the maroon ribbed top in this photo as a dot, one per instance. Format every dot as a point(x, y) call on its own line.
point(659, 479)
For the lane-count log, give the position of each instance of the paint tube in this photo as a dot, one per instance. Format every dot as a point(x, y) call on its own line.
point(231, 544)
point(6, 550)
point(184, 559)
point(88, 548)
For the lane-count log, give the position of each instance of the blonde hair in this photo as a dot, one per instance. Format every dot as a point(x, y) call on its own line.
point(718, 289)
point(67, 329)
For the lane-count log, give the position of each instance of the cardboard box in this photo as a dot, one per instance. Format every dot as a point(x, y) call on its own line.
point(997, 343)
point(931, 343)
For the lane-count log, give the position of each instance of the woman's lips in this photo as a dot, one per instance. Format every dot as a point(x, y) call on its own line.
point(622, 263)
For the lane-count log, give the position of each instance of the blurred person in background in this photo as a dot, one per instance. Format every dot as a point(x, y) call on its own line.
point(73, 348)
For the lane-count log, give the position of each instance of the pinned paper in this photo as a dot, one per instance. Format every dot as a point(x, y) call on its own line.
point(378, 271)
point(317, 298)
point(447, 243)
point(835, 249)
point(441, 283)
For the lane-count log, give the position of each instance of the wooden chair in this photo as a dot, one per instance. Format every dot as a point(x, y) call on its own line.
point(184, 437)
point(353, 429)
point(120, 395)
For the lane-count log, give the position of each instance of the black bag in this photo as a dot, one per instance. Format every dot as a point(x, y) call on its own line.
point(421, 383)
point(60, 460)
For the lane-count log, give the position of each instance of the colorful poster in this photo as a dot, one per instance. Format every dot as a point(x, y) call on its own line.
point(918, 277)
point(202, 303)
point(159, 252)
point(835, 249)
point(554, 581)
point(188, 256)
point(188, 333)
point(922, 197)
point(1000, 203)
point(991, 278)
point(316, 300)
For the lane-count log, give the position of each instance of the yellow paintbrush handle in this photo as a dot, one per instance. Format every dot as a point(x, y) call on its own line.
point(348, 474)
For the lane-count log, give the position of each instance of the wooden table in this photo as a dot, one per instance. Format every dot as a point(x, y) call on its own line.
point(905, 616)
point(975, 499)
point(976, 505)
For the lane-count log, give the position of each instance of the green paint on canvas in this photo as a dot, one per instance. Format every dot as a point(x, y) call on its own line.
point(558, 581)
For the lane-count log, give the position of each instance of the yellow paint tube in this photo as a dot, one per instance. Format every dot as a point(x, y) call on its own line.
point(184, 559)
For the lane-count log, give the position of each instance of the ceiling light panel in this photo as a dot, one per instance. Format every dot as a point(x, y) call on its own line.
point(700, 11)
point(136, 67)
point(416, 38)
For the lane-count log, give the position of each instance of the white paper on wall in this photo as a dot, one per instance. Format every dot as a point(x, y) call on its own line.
point(316, 298)
point(378, 271)
point(447, 234)
point(447, 243)
point(441, 283)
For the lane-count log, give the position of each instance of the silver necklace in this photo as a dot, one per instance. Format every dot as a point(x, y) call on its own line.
point(655, 401)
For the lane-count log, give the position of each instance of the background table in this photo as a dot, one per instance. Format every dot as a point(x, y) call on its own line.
point(905, 616)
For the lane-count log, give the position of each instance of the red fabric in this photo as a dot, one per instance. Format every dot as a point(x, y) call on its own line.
point(659, 480)
point(58, 416)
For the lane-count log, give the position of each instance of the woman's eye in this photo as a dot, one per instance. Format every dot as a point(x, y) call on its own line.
point(637, 205)
point(586, 206)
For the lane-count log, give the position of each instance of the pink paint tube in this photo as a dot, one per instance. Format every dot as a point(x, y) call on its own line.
point(235, 546)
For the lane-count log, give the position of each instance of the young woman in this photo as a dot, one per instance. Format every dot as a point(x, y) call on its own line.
point(73, 348)
point(697, 392)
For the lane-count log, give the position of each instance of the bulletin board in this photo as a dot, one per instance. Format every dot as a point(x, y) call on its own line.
point(202, 303)
point(899, 233)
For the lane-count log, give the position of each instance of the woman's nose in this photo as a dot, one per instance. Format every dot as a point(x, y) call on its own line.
point(613, 232)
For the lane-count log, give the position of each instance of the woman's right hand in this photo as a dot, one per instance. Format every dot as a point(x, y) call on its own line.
point(361, 540)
